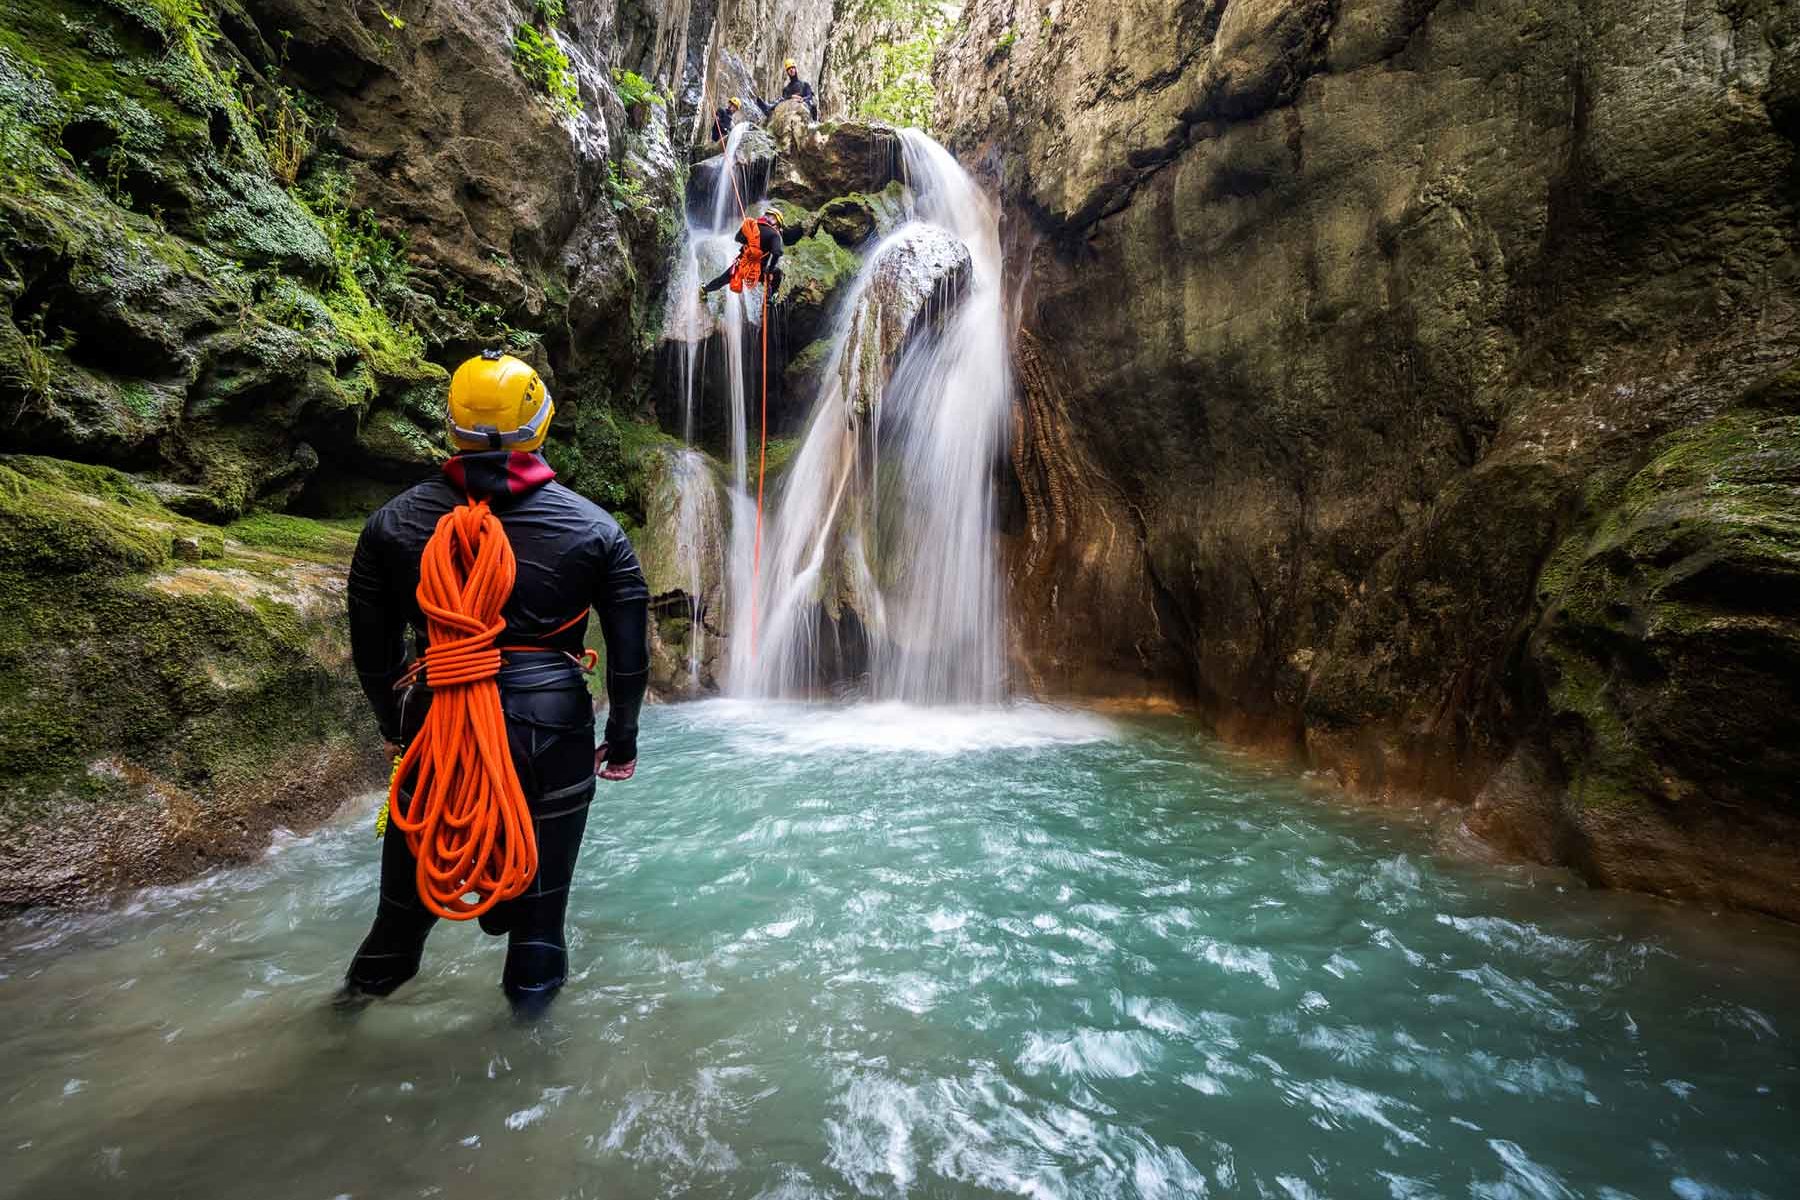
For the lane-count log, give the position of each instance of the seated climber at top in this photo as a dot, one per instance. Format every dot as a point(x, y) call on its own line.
point(759, 260)
point(724, 118)
point(796, 88)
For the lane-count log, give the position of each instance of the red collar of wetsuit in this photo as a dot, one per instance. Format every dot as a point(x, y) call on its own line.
point(483, 473)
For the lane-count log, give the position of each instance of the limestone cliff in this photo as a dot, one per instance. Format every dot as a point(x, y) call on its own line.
point(1404, 381)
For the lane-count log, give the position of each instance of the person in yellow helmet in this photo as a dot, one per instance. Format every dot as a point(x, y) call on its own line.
point(759, 262)
point(571, 557)
point(795, 88)
point(724, 117)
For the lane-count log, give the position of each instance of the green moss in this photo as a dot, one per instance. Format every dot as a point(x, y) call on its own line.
point(809, 364)
point(1670, 633)
point(60, 517)
point(114, 651)
point(813, 268)
point(300, 537)
point(606, 455)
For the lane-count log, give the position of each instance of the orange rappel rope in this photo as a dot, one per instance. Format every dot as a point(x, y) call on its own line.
point(465, 818)
point(762, 462)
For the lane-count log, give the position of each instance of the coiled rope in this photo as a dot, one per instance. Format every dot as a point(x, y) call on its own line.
point(456, 795)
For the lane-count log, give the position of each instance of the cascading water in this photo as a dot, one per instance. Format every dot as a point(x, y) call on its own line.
point(706, 247)
point(883, 537)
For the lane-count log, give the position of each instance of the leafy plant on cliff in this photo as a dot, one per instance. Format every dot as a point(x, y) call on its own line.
point(634, 89)
point(542, 64)
point(284, 128)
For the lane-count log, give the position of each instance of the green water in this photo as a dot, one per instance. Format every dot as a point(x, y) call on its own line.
point(884, 952)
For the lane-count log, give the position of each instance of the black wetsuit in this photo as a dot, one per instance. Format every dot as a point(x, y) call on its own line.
point(571, 554)
point(796, 88)
point(771, 258)
point(723, 118)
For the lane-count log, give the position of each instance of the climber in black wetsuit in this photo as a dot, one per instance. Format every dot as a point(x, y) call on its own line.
point(755, 262)
point(724, 118)
point(795, 88)
point(571, 555)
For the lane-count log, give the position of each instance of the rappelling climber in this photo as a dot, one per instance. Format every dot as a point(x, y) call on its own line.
point(795, 88)
point(570, 555)
point(724, 118)
point(758, 261)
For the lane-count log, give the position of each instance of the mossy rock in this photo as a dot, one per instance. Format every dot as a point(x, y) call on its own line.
point(158, 716)
point(806, 368)
point(854, 219)
point(796, 222)
point(814, 268)
point(1670, 649)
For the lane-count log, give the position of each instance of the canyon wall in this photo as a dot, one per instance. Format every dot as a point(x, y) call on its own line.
point(1408, 383)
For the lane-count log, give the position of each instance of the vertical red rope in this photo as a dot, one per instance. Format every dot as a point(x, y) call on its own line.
point(762, 462)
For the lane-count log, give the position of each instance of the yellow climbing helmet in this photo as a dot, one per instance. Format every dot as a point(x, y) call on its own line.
point(787, 65)
point(734, 102)
point(498, 403)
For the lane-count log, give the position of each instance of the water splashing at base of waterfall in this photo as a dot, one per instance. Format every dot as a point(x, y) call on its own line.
point(700, 533)
point(879, 559)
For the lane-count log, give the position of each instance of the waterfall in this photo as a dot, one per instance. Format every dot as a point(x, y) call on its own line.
point(879, 555)
point(707, 246)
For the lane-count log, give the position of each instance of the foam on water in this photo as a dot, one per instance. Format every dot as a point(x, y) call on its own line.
point(766, 727)
point(887, 951)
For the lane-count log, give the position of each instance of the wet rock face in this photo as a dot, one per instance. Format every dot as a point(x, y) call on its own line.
point(818, 163)
point(1358, 313)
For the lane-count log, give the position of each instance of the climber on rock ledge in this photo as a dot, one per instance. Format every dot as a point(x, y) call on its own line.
point(759, 259)
point(724, 118)
point(796, 88)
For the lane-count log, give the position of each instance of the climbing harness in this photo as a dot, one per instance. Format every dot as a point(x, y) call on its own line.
point(455, 793)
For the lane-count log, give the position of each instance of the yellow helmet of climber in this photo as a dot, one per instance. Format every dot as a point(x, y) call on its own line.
point(773, 216)
point(498, 403)
point(788, 65)
point(734, 103)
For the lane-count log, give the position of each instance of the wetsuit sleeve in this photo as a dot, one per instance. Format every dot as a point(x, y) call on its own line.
point(622, 600)
point(377, 628)
point(723, 279)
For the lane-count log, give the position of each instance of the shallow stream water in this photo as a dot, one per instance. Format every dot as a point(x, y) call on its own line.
point(886, 951)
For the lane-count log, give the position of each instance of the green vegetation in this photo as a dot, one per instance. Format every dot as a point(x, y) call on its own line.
point(605, 454)
point(199, 685)
point(634, 89)
point(625, 192)
point(903, 93)
point(550, 12)
point(329, 541)
point(815, 267)
point(371, 268)
point(542, 63)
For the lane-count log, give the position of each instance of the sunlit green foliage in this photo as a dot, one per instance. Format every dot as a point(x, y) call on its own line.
point(542, 63)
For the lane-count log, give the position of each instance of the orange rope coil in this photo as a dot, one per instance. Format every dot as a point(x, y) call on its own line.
point(465, 820)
